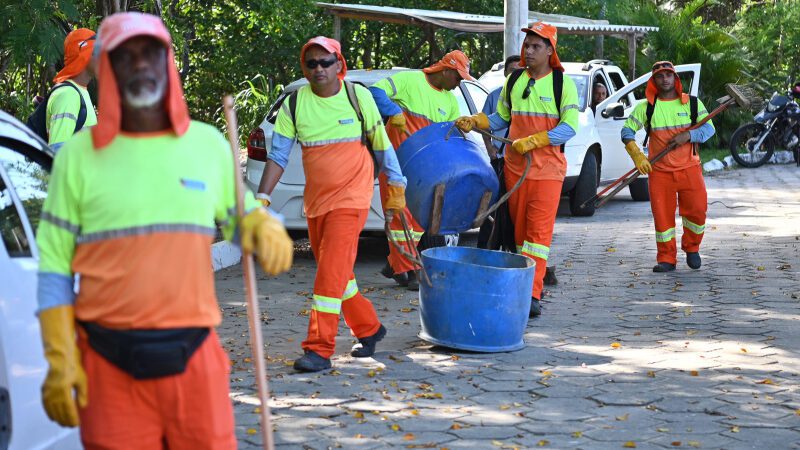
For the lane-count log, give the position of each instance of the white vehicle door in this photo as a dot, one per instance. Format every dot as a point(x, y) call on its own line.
point(616, 161)
point(23, 187)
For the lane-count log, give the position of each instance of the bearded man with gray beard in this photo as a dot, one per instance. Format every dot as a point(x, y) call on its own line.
point(132, 208)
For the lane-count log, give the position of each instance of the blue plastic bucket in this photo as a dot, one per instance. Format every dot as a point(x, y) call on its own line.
point(479, 299)
point(427, 160)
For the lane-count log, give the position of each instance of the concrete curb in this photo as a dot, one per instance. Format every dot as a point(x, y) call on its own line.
point(224, 254)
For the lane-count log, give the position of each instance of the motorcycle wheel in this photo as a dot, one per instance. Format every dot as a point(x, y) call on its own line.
point(742, 142)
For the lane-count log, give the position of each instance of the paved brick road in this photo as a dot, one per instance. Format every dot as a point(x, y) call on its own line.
point(621, 357)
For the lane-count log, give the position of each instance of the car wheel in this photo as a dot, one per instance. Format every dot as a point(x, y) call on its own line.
point(585, 188)
point(640, 191)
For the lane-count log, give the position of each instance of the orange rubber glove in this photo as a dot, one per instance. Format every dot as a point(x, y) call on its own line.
point(467, 123)
point(398, 121)
point(396, 200)
point(639, 159)
point(524, 145)
point(65, 387)
point(265, 236)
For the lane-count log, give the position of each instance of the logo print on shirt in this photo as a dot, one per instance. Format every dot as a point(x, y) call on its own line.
point(682, 114)
point(442, 112)
point(546, 99)
point(194, 185)
point(345, 121)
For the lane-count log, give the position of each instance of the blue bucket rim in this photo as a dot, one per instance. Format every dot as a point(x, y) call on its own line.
point(529, 263)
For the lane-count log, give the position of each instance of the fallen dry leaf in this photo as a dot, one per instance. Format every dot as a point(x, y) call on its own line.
point(577, 434)
point(734, 429)
point(629, 444)
point(760, 268)
point(257, 410)
point(622, 418)
point(694, 444)
point(611, 249)
point(505, 407)
point(395, 427)
point(455, 426)
point(675, 443)
point(414, 412)
point(662, 430)
point(616, 345)
point(542, 443)
point(766, 381)
point(409, 437)
point(744, 350)
point(651, 374)
point(406, 310)
point(429, 395)
point(497, 443)
point(694, 373)
point(358, 415)
point(252, 431)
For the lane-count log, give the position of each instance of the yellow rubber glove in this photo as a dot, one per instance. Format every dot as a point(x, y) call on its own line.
point(398, 121)
point(397, 198)
point(65, 387)
point(524, 145)
point(265, 236)
point(467, 123)
point(639, 159)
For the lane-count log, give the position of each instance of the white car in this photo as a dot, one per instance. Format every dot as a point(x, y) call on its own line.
point(287, 197)
point(25, 162)
point(596, 155)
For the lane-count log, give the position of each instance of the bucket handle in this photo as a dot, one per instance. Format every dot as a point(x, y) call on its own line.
point(507, 195)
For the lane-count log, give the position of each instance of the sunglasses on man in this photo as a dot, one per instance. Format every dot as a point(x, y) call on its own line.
point(663, 65)
point(527, 92)
point(325, 63)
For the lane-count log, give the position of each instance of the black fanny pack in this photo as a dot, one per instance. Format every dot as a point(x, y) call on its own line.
point(146, 353)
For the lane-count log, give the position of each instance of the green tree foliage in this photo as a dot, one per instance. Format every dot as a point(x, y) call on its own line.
point(251, 47)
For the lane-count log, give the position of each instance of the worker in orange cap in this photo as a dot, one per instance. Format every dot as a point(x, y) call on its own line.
point(339, 169)
point(676, 180)
point(69, 107)
point(133, 207)
point(542, 108)
point(412, 100)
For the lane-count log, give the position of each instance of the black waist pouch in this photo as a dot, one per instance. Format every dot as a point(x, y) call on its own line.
point(146, 353)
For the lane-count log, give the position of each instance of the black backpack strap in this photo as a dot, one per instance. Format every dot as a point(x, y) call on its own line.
point(558, 91)
point(693, 117)
point(651, 107)
point(293, 108)
point(82, 111)
point(350, 88)
point(512, 79)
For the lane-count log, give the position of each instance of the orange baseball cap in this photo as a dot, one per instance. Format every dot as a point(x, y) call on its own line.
point(329, 45)
point(78, 47)
point(548, 32)
point(114, 30)
point(455, 60)
point(651, 91)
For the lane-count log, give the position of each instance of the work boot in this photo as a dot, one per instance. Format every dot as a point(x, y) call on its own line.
point(400, 278)
point(550, 276)
point(387, 271)
point(663, 267)
point(536, 308)
point(311, 362)
point(693, 260)
point(413, 282)
point(366, 346)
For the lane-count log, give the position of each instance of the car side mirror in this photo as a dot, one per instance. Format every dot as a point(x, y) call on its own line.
point(615, 110)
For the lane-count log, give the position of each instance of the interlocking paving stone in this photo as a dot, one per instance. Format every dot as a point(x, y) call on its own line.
point(708, 358)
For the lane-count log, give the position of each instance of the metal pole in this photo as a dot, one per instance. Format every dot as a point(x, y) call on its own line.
point(337, 28)
point(516, 17)
point(632, 55)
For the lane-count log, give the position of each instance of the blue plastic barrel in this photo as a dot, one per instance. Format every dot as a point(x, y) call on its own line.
point(427, 159)
point(479, 299)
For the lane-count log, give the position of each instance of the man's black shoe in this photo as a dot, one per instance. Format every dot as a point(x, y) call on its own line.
point(536, 308)
point(413, 282)
point(663, 267)
point(311, 362)
point(550, 276)
point(366, 346)
point(693, 260)
point(387, 271)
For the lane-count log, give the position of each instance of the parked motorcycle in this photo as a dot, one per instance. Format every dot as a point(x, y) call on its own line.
point(777, 125)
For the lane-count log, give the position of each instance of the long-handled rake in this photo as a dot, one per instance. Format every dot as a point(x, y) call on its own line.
point(741, 95)
point(253, 314)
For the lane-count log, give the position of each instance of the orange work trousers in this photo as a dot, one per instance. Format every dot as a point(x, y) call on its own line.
point(686, 189)
point(334, 241)
point(399, 262)
point(191, 410)
point(533, 209)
